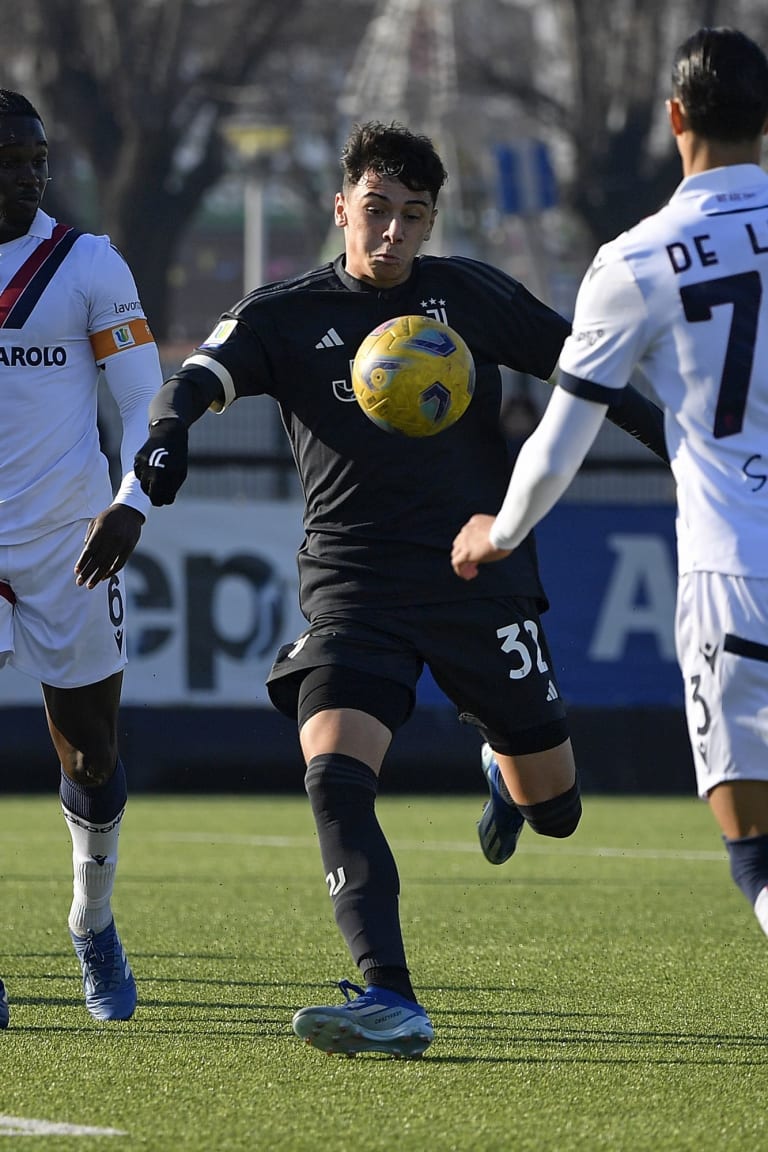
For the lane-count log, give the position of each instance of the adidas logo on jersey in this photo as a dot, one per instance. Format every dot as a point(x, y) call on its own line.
point(552, 693)
point(330, 340)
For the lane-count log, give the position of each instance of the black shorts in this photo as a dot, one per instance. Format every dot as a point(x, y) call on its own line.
point(489, 657)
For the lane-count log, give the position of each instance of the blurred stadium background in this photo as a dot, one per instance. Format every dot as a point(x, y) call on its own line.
point(203, 136)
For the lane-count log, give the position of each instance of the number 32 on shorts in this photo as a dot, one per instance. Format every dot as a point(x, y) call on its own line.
point(520, 650)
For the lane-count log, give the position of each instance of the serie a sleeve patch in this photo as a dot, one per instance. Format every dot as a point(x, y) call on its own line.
point(130, 334)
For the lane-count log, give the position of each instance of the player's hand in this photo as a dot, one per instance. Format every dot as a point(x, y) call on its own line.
point(472, 546)
point(161, 463)
point(109, 541)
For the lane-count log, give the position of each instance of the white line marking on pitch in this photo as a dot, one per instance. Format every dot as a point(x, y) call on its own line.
point(20, 1126)
point(450, 846)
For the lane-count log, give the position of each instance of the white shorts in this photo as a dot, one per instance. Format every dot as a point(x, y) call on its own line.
point(721, 631)
point(61, 634)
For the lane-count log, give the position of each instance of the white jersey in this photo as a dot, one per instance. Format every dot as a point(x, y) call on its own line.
point(69, 309)
point(684, 297)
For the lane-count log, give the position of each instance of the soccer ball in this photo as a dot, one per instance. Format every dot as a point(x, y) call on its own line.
point(413, 375)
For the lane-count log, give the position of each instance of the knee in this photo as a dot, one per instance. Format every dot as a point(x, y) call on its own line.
point(83, 726)
point(88, 772)
point(335, 777)
point(558, 817)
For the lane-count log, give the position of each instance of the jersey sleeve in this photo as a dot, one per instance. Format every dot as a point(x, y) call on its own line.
point(133, 381)
point(124, 348)
point(537, 333)
point(115, 317)
point(510, 325)
point(232, 361)
point(609, 331)
point(546, 465)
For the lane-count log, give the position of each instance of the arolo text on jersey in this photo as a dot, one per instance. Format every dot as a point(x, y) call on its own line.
point(18, 357)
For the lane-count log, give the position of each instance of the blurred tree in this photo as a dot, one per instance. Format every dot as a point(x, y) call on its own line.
point(299, 85)
point(141, 90)
point(136, 96)
point(596, 87)
point(619, 57)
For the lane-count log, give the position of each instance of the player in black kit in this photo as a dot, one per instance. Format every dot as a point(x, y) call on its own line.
point(376, 584)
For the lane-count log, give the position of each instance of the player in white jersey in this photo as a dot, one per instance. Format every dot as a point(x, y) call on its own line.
point(69, 314)
point(683, 296)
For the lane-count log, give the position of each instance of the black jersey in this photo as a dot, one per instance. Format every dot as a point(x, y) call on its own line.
point(382, 510)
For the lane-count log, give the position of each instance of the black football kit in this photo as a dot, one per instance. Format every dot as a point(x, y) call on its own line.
point(382, 509)
point(375, 577)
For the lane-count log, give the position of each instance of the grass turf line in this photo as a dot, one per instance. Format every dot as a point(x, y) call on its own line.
point(582, 1001)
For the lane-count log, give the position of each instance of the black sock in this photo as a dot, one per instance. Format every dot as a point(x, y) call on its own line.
point(749, 864)
point(556, 817)
point(394, 979)
point(96, 805)
point(360, 869)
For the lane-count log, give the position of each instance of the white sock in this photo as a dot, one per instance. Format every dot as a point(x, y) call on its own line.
point(94, 861)
point(761, 910)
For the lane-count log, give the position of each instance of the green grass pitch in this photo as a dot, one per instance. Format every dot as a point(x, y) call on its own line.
point(607, 992)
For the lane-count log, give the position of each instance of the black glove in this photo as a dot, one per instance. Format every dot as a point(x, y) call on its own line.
point(161, 463)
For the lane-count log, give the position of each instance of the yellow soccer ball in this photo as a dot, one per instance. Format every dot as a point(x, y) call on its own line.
point(414, 376)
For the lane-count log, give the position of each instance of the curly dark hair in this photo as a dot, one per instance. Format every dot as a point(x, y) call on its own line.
point(720, 77)
point(393, 150)
point(14, 104)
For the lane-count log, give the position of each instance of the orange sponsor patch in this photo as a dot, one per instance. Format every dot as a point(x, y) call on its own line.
point(129, 334)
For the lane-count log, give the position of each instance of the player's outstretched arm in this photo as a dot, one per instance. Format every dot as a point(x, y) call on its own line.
point(641, 418)
point(545, 466)
point(161, 462)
